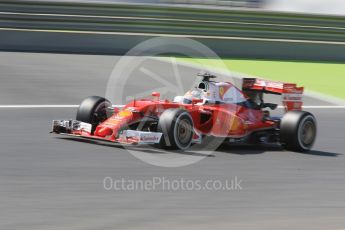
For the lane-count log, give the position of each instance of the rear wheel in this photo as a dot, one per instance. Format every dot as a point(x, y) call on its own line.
point(298, 131)
point(177, 128)
point(93, 110)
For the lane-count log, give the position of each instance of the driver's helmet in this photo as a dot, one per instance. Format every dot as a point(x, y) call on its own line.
point(195, 95)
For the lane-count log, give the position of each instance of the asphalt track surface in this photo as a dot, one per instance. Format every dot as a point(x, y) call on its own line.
point(49, 182)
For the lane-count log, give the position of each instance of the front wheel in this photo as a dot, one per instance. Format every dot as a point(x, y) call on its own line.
point(93, 110)
point(298, 131)
point(177, 128)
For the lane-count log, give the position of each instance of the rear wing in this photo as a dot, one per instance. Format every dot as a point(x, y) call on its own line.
point(291, 93)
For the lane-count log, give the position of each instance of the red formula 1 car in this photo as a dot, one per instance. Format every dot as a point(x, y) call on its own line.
point(216, 109)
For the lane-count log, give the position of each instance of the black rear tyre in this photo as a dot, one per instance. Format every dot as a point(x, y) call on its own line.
point(298, 131)
point(93, 110)
point(177, 128)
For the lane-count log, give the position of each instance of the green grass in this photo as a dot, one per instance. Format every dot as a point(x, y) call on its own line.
point(326, 78)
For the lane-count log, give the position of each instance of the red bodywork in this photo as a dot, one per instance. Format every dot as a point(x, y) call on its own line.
point(223, 120)
point(233, 120)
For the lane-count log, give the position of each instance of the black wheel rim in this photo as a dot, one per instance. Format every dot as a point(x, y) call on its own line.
point(307, 133)
point(184, 132)
point(100, 112)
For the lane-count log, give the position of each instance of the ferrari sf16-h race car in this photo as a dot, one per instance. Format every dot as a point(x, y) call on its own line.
point(211, 108)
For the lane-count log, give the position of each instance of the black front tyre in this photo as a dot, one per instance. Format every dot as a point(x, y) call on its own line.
point(177, 128)
point(93, 110)
point(298, 131)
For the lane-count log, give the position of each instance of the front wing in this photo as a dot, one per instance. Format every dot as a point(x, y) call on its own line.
point(82, 129)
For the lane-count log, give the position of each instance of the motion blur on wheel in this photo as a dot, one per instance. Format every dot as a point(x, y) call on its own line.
point(211, 108)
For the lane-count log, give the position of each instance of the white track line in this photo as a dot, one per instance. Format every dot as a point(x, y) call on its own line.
point(321, 107)
point(36, 106)
point(171, 19)
point(76, 106)
point(175, 36)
